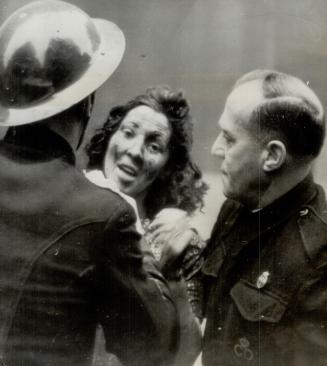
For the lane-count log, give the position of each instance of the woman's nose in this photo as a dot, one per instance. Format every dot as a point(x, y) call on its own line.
point(217, 148)
point(136, 147)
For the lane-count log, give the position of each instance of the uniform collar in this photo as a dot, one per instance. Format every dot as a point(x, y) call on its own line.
point(240, 226)
point(97, 177)
point(288, 204)
point(252, 224)
point(39, 143)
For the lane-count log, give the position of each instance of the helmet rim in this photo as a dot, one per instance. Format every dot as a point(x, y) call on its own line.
point(105, 60)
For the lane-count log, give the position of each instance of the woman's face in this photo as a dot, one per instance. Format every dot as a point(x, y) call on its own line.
point(138, 151)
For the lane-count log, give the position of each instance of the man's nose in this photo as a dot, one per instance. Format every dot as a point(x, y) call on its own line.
point(217, 148)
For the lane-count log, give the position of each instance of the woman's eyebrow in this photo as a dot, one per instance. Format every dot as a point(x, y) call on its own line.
point(130, 124)
point(157, 135)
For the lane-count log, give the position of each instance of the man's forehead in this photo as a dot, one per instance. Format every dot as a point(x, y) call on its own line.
point(245, 97)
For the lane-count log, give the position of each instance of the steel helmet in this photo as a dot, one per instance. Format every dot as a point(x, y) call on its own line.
point(53, 55)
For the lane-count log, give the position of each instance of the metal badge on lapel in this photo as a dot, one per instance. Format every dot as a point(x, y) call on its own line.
point(263, 279)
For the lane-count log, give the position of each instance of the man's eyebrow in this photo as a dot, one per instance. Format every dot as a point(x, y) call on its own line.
point(228, 134)
point(223, 130)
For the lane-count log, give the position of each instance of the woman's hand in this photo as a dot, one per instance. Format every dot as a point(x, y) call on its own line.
point(172, 254)
point(168, 224)
point(170, 230)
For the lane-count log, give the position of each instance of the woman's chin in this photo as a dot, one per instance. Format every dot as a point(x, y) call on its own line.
point(126, 188)
point(124, 182)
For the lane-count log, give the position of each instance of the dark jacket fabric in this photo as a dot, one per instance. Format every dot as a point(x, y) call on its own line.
point(70, 259)
point(266, 283)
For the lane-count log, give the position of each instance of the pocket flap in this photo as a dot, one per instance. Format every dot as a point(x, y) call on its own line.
point(255, 304)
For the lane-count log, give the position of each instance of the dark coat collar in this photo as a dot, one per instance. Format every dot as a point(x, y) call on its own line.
point(38, 143)
point(237, 226)
point(255, 223)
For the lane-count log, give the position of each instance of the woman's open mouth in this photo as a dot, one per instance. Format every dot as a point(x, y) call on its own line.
point(128, 170)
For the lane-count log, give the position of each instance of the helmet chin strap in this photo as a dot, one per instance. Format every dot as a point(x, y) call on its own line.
point(86, 112)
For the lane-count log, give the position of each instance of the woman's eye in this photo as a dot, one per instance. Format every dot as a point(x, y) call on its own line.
point(155, 148)
point(127, 132)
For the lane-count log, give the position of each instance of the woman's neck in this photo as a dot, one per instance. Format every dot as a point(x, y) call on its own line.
point(140, 207)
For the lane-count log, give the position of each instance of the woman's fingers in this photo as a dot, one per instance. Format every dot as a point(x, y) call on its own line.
point(173, 250)
point(166, 234)
point(169, 216)
point(168, 223)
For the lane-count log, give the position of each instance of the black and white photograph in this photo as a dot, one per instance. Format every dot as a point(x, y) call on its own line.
point(162, 183)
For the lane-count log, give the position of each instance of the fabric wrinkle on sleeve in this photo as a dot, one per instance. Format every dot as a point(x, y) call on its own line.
point(136, 306)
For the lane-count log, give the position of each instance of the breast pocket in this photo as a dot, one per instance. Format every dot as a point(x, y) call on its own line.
point(257, 304)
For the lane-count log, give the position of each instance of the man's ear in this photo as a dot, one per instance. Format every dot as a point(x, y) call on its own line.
point(274, 155)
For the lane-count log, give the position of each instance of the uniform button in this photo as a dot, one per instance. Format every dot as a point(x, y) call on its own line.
point(304, 212)
point(220, 328)
point(124, 218)
point(262, 279)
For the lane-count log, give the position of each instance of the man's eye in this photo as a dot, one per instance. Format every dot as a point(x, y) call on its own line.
point(228, 139)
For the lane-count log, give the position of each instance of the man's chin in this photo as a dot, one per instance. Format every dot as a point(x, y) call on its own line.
point(226, 192)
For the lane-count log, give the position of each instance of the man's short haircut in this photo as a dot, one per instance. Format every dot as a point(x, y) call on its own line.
point(290, 112)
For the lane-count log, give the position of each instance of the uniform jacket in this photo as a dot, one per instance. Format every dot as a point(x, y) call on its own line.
point(266, 283)
point(70, 259)
point(185, 297)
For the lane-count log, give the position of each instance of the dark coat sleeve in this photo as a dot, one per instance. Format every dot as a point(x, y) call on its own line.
point(310, 324)
point(133, 301)
point(310, 309)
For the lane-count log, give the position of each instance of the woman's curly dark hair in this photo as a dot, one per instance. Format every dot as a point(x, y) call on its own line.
point(180, 185)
